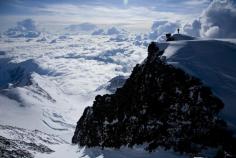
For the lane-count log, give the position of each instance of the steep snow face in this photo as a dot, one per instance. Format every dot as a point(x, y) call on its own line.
point(213, 61)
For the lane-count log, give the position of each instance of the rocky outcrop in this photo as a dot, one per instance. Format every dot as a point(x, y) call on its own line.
point(160, 106)
point(22, 143)
point(20, 149)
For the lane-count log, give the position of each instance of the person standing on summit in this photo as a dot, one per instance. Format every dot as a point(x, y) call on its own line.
point(178, 30)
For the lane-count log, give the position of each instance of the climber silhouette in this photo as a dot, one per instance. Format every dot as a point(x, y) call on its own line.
point(178, 30)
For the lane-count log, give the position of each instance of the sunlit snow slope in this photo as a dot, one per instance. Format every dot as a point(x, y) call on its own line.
point(214, 62)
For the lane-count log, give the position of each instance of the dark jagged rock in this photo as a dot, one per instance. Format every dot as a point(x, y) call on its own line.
point(159, 105)
point(20, 149)
point(152, 49)
point(169, 37)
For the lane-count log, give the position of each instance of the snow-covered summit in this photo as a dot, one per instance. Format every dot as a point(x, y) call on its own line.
point(180, 37)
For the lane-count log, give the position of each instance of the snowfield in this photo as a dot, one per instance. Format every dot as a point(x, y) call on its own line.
point(46, 82)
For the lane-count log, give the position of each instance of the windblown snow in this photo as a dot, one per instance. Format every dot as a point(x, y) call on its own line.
point(47, 81)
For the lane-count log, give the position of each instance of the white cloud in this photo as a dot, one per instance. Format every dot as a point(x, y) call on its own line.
point(25, 28)
point(212, 31)
point(81, 27)
point(161, 27)
point(193, 28)
point(195, 2)
point(132, 18)
point(217, 21)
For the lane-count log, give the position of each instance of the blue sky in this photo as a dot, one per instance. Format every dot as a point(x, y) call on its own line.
point(137, 14)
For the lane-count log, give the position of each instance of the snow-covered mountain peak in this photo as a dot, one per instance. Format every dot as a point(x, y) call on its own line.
point(46, 85)
point(179, 37)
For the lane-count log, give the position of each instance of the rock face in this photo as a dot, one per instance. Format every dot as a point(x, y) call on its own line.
point(22, 143)
point(16, 148)
point(160, 106)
